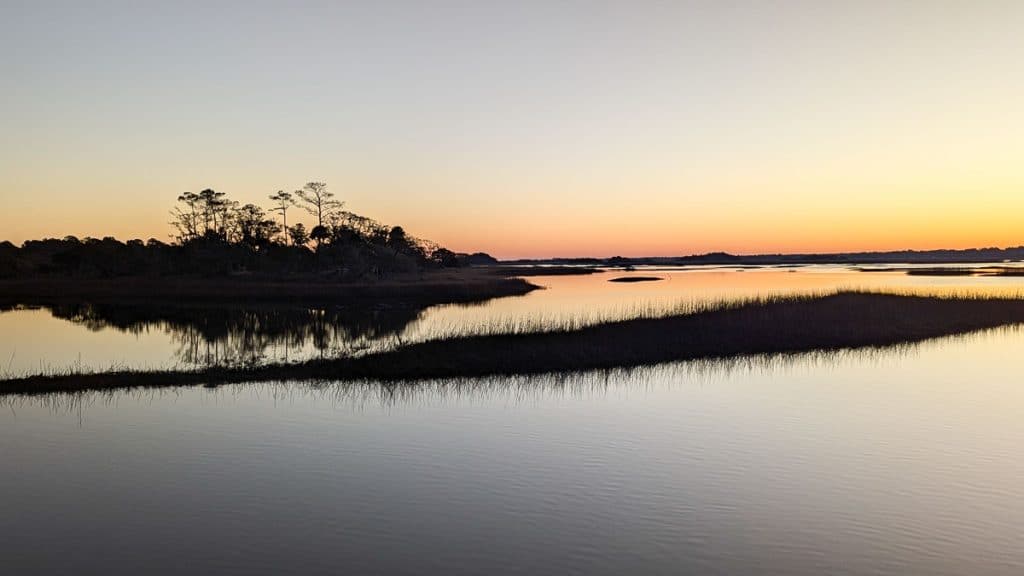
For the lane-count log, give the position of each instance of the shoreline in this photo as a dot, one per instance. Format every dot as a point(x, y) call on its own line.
point(432, 288)
point(843, 320)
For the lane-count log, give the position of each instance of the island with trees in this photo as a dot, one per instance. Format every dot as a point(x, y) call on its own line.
point(223, 250)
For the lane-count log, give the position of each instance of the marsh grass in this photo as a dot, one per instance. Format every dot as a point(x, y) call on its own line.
point(693, 331)
point(363, 393)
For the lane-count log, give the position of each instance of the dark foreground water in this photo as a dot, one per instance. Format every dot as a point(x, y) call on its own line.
point(895, 462)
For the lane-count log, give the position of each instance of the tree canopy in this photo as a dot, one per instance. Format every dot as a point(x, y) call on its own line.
point(214, 235)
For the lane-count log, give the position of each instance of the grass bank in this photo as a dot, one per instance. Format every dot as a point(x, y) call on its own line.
point(846, 320)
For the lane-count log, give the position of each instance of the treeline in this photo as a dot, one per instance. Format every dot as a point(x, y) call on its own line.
point(215, 235)
point(969, 255)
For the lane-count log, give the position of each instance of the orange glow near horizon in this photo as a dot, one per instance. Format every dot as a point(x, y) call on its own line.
point(945, 224)
point(528, 129)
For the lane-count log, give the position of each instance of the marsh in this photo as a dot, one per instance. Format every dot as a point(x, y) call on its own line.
point(44, 336)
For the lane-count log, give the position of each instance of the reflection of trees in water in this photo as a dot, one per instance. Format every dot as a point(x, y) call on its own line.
point(246, 336)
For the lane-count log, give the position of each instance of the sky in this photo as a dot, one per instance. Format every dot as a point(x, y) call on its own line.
point(527, 129)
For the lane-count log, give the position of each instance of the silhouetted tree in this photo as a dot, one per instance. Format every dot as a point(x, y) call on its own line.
point(8, 259)
point(321, 204)
point(298, 235)
point(203, 215)
point(319, 234)
point(212, 204)
point(284, 201)
point(186, 217)
point(445, 258)
point(397, 240)
point(368, 228)
point(253, 227)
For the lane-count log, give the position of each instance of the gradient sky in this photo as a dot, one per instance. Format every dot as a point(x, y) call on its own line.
point(527, 128)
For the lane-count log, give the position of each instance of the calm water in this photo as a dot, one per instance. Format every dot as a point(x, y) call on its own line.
point(893, 462)
point(100, 337)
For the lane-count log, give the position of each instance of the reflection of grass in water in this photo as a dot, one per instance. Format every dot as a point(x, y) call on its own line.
point(362, 394)
point(229, 338)
point(701, 331)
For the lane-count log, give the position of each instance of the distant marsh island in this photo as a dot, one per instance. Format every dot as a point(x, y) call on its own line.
point(948, 270)
point(633, 279)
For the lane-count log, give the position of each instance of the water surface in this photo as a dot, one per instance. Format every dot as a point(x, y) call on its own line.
point(72, 336)
point(892, 462)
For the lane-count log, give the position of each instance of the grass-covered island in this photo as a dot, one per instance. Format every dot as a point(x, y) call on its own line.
point(844, 320)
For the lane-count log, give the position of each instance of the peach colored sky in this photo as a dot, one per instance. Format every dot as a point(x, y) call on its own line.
point(528, 129)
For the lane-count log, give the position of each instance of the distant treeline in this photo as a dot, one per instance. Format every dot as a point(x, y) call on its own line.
point(971, 255)
point(215, 236)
